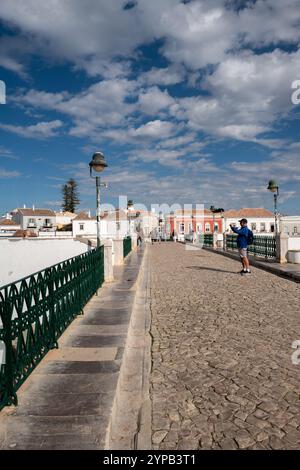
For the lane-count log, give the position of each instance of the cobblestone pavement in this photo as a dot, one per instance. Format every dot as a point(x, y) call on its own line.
point(222, 375)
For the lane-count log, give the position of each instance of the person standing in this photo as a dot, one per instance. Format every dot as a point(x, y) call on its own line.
point(245, 238)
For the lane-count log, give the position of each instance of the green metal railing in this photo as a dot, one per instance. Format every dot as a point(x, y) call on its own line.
point(206, 239)
point(126, 246)
point(36, 310)
point(263, 246)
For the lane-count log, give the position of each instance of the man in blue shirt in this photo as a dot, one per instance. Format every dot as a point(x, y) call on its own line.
point(242, 244)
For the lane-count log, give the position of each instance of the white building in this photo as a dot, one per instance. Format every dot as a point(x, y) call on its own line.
point(34, 219)
point(63, 219)
point(260, 221)
point(8, 227)
point(290, 224)
point(113, 224)
point(84, 225)
point(145, 222)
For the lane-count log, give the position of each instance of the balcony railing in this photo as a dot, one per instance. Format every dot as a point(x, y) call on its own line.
point(206, 239)
point(36, 310)
point(263, 246)
point(126, 246)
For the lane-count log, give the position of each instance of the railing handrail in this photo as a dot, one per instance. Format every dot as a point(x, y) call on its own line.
point(45, 269)
point(35, 311)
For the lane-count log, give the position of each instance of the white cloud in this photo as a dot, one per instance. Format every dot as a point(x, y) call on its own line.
point(153, 100)
point(41, 130)
point(153, 129)
point(163, 76)
point(248, 94)
point(9, 174)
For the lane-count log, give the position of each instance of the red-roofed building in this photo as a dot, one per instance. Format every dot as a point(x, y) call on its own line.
point(193, 222)
point(8, 227)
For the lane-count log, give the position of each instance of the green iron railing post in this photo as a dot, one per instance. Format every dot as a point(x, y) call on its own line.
point(127, 246)
point(9, 396)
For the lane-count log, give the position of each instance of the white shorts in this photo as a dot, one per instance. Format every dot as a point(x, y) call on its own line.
point(243, 252)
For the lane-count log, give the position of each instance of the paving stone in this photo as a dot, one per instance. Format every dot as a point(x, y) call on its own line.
point(159, 436)
point(219, 365)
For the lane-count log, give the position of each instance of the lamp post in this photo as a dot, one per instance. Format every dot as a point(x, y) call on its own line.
point(214, 211)
point(274, 188)
point(98, 164)
point(129, 208)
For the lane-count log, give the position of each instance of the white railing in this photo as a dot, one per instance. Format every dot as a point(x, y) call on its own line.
point(55, 234)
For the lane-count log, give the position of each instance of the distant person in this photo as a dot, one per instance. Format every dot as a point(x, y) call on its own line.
point(245, 238)
point(153, 237)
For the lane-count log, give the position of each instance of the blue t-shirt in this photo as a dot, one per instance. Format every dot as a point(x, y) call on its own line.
point(242, 236)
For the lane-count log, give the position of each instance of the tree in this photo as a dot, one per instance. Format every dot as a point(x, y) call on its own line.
point(70, 196)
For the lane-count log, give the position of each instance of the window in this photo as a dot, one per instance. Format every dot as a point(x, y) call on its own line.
point(262, 227)
point(253, 227)
point(31, 221)
point(216, 227)
point(118, 225)
point(81, 226)
point(295, 230)
point(181, 228)
point(199, 228)
point(273, 228)
point(207, 227)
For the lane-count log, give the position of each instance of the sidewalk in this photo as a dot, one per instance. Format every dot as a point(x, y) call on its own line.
point(67, 401)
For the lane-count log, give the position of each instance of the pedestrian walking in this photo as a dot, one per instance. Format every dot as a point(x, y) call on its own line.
point(244, 239)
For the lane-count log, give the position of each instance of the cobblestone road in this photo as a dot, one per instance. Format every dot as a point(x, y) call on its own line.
point(222, 373)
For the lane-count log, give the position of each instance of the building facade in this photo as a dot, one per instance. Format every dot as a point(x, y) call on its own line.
point(64, 219)
point(192, 223)
point(34, 219)
point(290, 224)
point(260, 220)
point(8, 227)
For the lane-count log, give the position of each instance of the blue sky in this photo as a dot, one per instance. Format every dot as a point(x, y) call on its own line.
point(189, 100)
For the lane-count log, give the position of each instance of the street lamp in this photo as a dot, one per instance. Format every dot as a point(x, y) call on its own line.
point(214, 211)
point(274, 188)
point(130, 206)
point(98, 164)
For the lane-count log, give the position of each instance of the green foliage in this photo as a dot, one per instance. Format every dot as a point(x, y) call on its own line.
point(70, 196)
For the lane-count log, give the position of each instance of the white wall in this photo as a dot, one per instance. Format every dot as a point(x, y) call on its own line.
point(294, 243)
point(22, 257)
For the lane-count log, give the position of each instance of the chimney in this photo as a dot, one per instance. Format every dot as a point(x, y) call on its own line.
point(24, 206)
point(33, 207)
point(89, 213)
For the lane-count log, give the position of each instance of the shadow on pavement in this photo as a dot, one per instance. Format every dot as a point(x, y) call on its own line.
point(201, 268)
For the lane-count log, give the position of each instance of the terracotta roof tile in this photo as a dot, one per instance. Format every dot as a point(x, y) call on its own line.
point(8, 222)
point(84, 216)
point(36, 212)
point(248, 212)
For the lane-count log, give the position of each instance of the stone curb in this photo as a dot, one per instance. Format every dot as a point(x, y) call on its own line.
point(130, 422)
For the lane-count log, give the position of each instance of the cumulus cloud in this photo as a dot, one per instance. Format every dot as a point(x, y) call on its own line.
point(41, 130)
point(154, 129)
point(153, 100)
